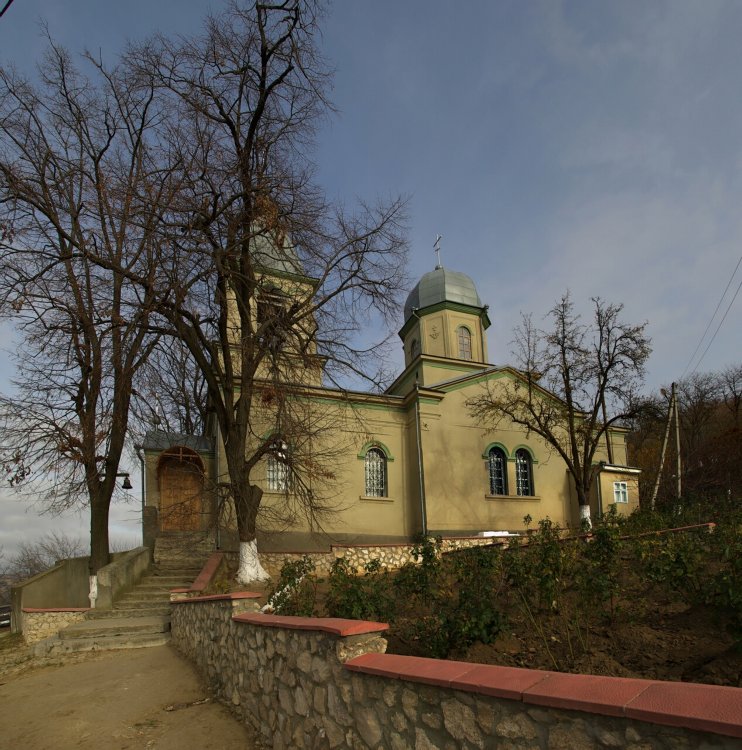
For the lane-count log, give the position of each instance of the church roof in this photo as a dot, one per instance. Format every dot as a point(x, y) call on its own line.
point(271, 257)
point(442, 285)
point(160, 440)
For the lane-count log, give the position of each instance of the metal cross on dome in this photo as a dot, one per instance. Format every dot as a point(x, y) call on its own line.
point(437, 249)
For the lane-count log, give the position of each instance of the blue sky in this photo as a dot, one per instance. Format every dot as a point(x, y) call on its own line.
point(595, 147)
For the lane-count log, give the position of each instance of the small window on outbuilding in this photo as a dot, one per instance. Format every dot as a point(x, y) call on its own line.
point(463, 335)
point(524, 472)
point(620, 492)
point(375, 465)
point(498, 474)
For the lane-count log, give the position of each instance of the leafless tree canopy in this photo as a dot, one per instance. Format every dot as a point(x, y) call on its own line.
point(270, 282)
point(80, 194)
point(148, 211)
point(710, 439)
point(576, 381)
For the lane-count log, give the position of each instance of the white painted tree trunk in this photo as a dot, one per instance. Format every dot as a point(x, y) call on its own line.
point(585, 515)
point(250, 568)
point(93, 592)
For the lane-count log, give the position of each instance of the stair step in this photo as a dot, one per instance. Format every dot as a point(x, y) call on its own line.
point(179, 571)
point(155, 584)
point(140, 603)
point(118, 611)
point(112, 643)
point(145, 593)
point(119, 626)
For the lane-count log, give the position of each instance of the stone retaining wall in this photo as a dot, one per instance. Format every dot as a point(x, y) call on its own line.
point(392, 556)
point(43, 623)
point(326, 683)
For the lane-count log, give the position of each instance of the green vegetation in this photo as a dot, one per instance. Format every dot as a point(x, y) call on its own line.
point(562, 587)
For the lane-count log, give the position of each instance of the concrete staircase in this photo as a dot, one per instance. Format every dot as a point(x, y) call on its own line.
point(141, 617)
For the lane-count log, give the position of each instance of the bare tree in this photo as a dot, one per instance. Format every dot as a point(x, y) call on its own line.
point(270, 282)
point(710, 440)
point(171, 391)
point(79, 184)
point(731, 392)
point(576, 382)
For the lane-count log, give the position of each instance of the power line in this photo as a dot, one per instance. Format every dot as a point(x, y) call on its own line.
point(7, 5)
point(729, 307)
point(718, 305)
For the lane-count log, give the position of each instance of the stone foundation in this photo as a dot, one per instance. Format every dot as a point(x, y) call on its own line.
point(391, 556)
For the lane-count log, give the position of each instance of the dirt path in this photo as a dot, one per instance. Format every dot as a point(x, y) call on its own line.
point(138, 698)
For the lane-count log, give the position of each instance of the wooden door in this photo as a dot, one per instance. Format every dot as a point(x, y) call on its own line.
point(181, 484)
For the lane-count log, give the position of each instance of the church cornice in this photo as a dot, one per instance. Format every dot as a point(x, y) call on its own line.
point(479, 312)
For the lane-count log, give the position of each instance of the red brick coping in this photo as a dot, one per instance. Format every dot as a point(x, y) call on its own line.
point(705, 708)
point(218, 597)
point(334, 625)
point(204, 578)
point(55, 609)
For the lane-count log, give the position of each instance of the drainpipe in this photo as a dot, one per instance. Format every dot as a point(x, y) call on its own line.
point(217, 479)
point(420, 469)
point(138, 449)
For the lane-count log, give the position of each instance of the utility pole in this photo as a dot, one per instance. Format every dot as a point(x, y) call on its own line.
point(677, 439)
point(671, 408)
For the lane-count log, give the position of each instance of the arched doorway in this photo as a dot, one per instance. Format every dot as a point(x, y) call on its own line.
point(180, 476)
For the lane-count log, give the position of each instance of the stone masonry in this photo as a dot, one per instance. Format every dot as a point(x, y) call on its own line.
point(318, 683)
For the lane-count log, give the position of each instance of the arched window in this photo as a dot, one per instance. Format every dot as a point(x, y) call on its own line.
point(464, 337)
point(523, 472)
point(375, 473)
point(498, 471)
point(277, 472)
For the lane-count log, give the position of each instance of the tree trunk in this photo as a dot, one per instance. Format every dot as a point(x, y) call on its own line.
point(585, 516)
point(246, 507)
point(583, 502)
point(99, 550)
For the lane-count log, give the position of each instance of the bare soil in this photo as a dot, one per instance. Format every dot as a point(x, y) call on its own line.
point(675, 643)
point(651, 635)
point(120, 700)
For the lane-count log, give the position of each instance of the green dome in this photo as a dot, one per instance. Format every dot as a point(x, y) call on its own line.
point(442, 285)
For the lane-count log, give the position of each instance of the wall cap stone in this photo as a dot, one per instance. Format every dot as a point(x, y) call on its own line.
point(208, 572)
point(333, 625)
point(705, 708)
point(42, 610)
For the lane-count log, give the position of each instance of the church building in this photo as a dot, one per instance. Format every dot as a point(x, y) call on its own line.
point(412, 459)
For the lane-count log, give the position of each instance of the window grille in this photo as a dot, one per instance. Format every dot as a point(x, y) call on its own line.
point(498, 472)
point(523, 472)
point(375, 473)
point(277, 471)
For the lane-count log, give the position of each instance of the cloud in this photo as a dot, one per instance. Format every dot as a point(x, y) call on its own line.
point(24, 521)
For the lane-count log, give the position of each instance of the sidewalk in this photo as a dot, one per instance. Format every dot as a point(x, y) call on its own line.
point(130, 699)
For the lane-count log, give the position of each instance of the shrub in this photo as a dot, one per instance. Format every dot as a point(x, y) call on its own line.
point(295, 592)
point(359, 597)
